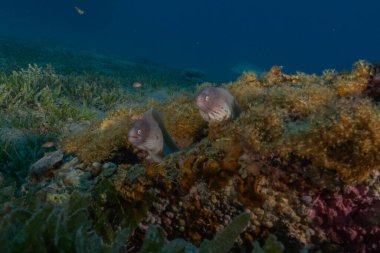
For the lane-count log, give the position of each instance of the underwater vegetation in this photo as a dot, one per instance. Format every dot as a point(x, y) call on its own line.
point(41, 103)
point(16, 155)
point(292, 168)
point(38, 99)
point(53, 228)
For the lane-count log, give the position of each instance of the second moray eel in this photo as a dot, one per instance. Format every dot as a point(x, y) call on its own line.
point(150, 134)
point(217, 104)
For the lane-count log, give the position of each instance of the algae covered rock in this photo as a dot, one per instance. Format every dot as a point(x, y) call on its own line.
point(323, 119)
point(297, 137)
point(108, 140)
point(101, 144)
point(346, 139)
point(47, 162)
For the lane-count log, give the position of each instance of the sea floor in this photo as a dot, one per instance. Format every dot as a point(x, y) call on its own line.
point(296, 171)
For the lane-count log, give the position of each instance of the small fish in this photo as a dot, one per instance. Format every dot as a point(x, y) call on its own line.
point(150, 134)
point(79, 10)
point(136, 85)
point(217, 104)
point(48, 144)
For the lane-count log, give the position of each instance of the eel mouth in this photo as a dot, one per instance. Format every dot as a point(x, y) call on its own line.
point(133, 138)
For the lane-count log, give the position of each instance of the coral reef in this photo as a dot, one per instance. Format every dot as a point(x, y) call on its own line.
point(297, 135)
point(348, 218)
point(301, 160)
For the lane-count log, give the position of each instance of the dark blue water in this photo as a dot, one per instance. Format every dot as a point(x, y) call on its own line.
point(213, 36)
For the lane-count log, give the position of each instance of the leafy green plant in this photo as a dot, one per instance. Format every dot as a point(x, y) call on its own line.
point(54, 228)
point(17, 156)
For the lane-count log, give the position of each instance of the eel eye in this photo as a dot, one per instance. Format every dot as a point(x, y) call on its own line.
point(139, 132)
point(207, 98)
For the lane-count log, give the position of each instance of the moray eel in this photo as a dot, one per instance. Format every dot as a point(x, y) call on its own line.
point(217, 104)
point(150, 134)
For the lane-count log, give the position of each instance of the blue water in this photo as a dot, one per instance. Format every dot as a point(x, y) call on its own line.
point(213, 36)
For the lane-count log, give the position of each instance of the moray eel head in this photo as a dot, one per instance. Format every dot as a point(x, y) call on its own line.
point(207, 98)
point(149, 134)
point(215, 104)
point(139, 132)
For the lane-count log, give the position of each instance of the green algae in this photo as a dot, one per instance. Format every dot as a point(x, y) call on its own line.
point(17, 153)
point(39, 99)
point(54, 228)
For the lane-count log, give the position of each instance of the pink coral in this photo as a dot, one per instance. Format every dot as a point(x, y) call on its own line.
point(348, 218)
